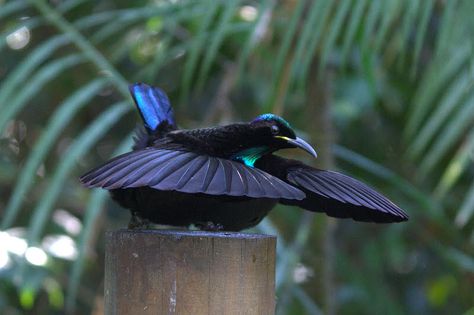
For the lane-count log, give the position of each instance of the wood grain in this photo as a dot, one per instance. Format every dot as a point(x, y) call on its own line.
point(189, 273)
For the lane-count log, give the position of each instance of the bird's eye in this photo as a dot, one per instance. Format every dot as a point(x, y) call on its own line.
point(275, 129)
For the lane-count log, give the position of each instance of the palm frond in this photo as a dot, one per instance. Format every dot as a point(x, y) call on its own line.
point(425, 15)
point(315, 40)
point(197, 48)
point(82, 43)
point(93, 209)
point(63, 115)
point(222, 27)
point(354, 22)
point(80, 146)
point(283, 54)
point(36, 84)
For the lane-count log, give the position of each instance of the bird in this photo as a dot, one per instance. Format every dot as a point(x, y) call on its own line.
point(225, 177)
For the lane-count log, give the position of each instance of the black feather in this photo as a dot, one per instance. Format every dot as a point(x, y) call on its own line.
point(335, 194)
point(188, 172)
point(225, 177)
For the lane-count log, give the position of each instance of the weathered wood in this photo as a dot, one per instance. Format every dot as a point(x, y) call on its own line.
point(189, 273)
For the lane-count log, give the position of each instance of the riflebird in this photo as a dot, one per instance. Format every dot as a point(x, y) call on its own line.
point(225, 177)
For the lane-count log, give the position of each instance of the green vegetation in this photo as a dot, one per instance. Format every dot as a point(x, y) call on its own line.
point(383, 90)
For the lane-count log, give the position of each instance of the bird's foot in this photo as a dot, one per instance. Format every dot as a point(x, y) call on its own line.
point(210, 226)
point(138, 223)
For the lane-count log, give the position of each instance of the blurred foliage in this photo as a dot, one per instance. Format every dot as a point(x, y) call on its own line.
point(397, 76)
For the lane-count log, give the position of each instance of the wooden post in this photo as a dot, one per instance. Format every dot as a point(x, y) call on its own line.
point(189, 273)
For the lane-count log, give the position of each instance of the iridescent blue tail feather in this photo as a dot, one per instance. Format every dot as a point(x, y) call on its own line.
point(153, 105)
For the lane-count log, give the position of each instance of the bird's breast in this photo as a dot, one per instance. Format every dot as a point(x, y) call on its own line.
point(183, 209)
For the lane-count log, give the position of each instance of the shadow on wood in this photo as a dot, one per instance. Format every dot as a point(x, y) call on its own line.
point(189, 273)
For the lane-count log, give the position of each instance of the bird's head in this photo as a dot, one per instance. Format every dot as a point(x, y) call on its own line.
point(278, 134)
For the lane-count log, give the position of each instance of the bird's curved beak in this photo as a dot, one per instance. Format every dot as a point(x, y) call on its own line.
point(300, 143)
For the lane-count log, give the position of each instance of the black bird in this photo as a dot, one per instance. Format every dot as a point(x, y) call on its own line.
point(226, 177)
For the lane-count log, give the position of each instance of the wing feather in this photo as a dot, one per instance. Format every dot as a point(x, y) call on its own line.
point(355, 199)
point(110, 168)
point(121, 167)
point(188, 172)
point(194, 166)
point(375, 199)
point(217, 184)
point(335, 194)
point(134, 174)
point(240, 178)
point(254, 184)
point(227, 165)
point(213, 164)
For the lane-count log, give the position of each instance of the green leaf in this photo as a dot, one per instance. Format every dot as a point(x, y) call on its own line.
point(293, 251)
point(464, 261)
point(306, 33)
point(24, 69)
point(456, 167)
point(93, 209)
point(448, 19)
point(267, 227)
point(59, 119)
point(197, 47)
point(309, 305)
point(83, 44)
point(35, 84)
point(454, 94)
point(55, 293)
point(80, 146)
point(162, 55)
point(333, 33)
point(426, 10)
point(45, 50)
point(355, 21)
point(408, 24)
point(124, 19)
point(424, 200)
point(68, 5)
point(283, 53)
point(467, 208)
point(453, 130)
point(223, 27)
point(12, 7)
point(440, 73)
point(373, 15)
point(260, 24)
point(317, 35)
point(293, 255)
point(27, 298)
point(34, 22)
point(391, 10)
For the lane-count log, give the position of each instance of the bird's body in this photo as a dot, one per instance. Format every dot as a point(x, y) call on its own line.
point(210, 212)
point(225, 177)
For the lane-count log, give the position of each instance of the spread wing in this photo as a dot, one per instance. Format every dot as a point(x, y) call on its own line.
point(335, 194)
point(188, 172)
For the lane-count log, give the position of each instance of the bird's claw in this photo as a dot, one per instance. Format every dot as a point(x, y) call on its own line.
point(210, 226)
point(138, 223)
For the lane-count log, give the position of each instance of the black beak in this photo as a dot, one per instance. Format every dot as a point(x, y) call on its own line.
point(300, 143)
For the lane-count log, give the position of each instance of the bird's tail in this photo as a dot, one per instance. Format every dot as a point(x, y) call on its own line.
point(153, 105)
